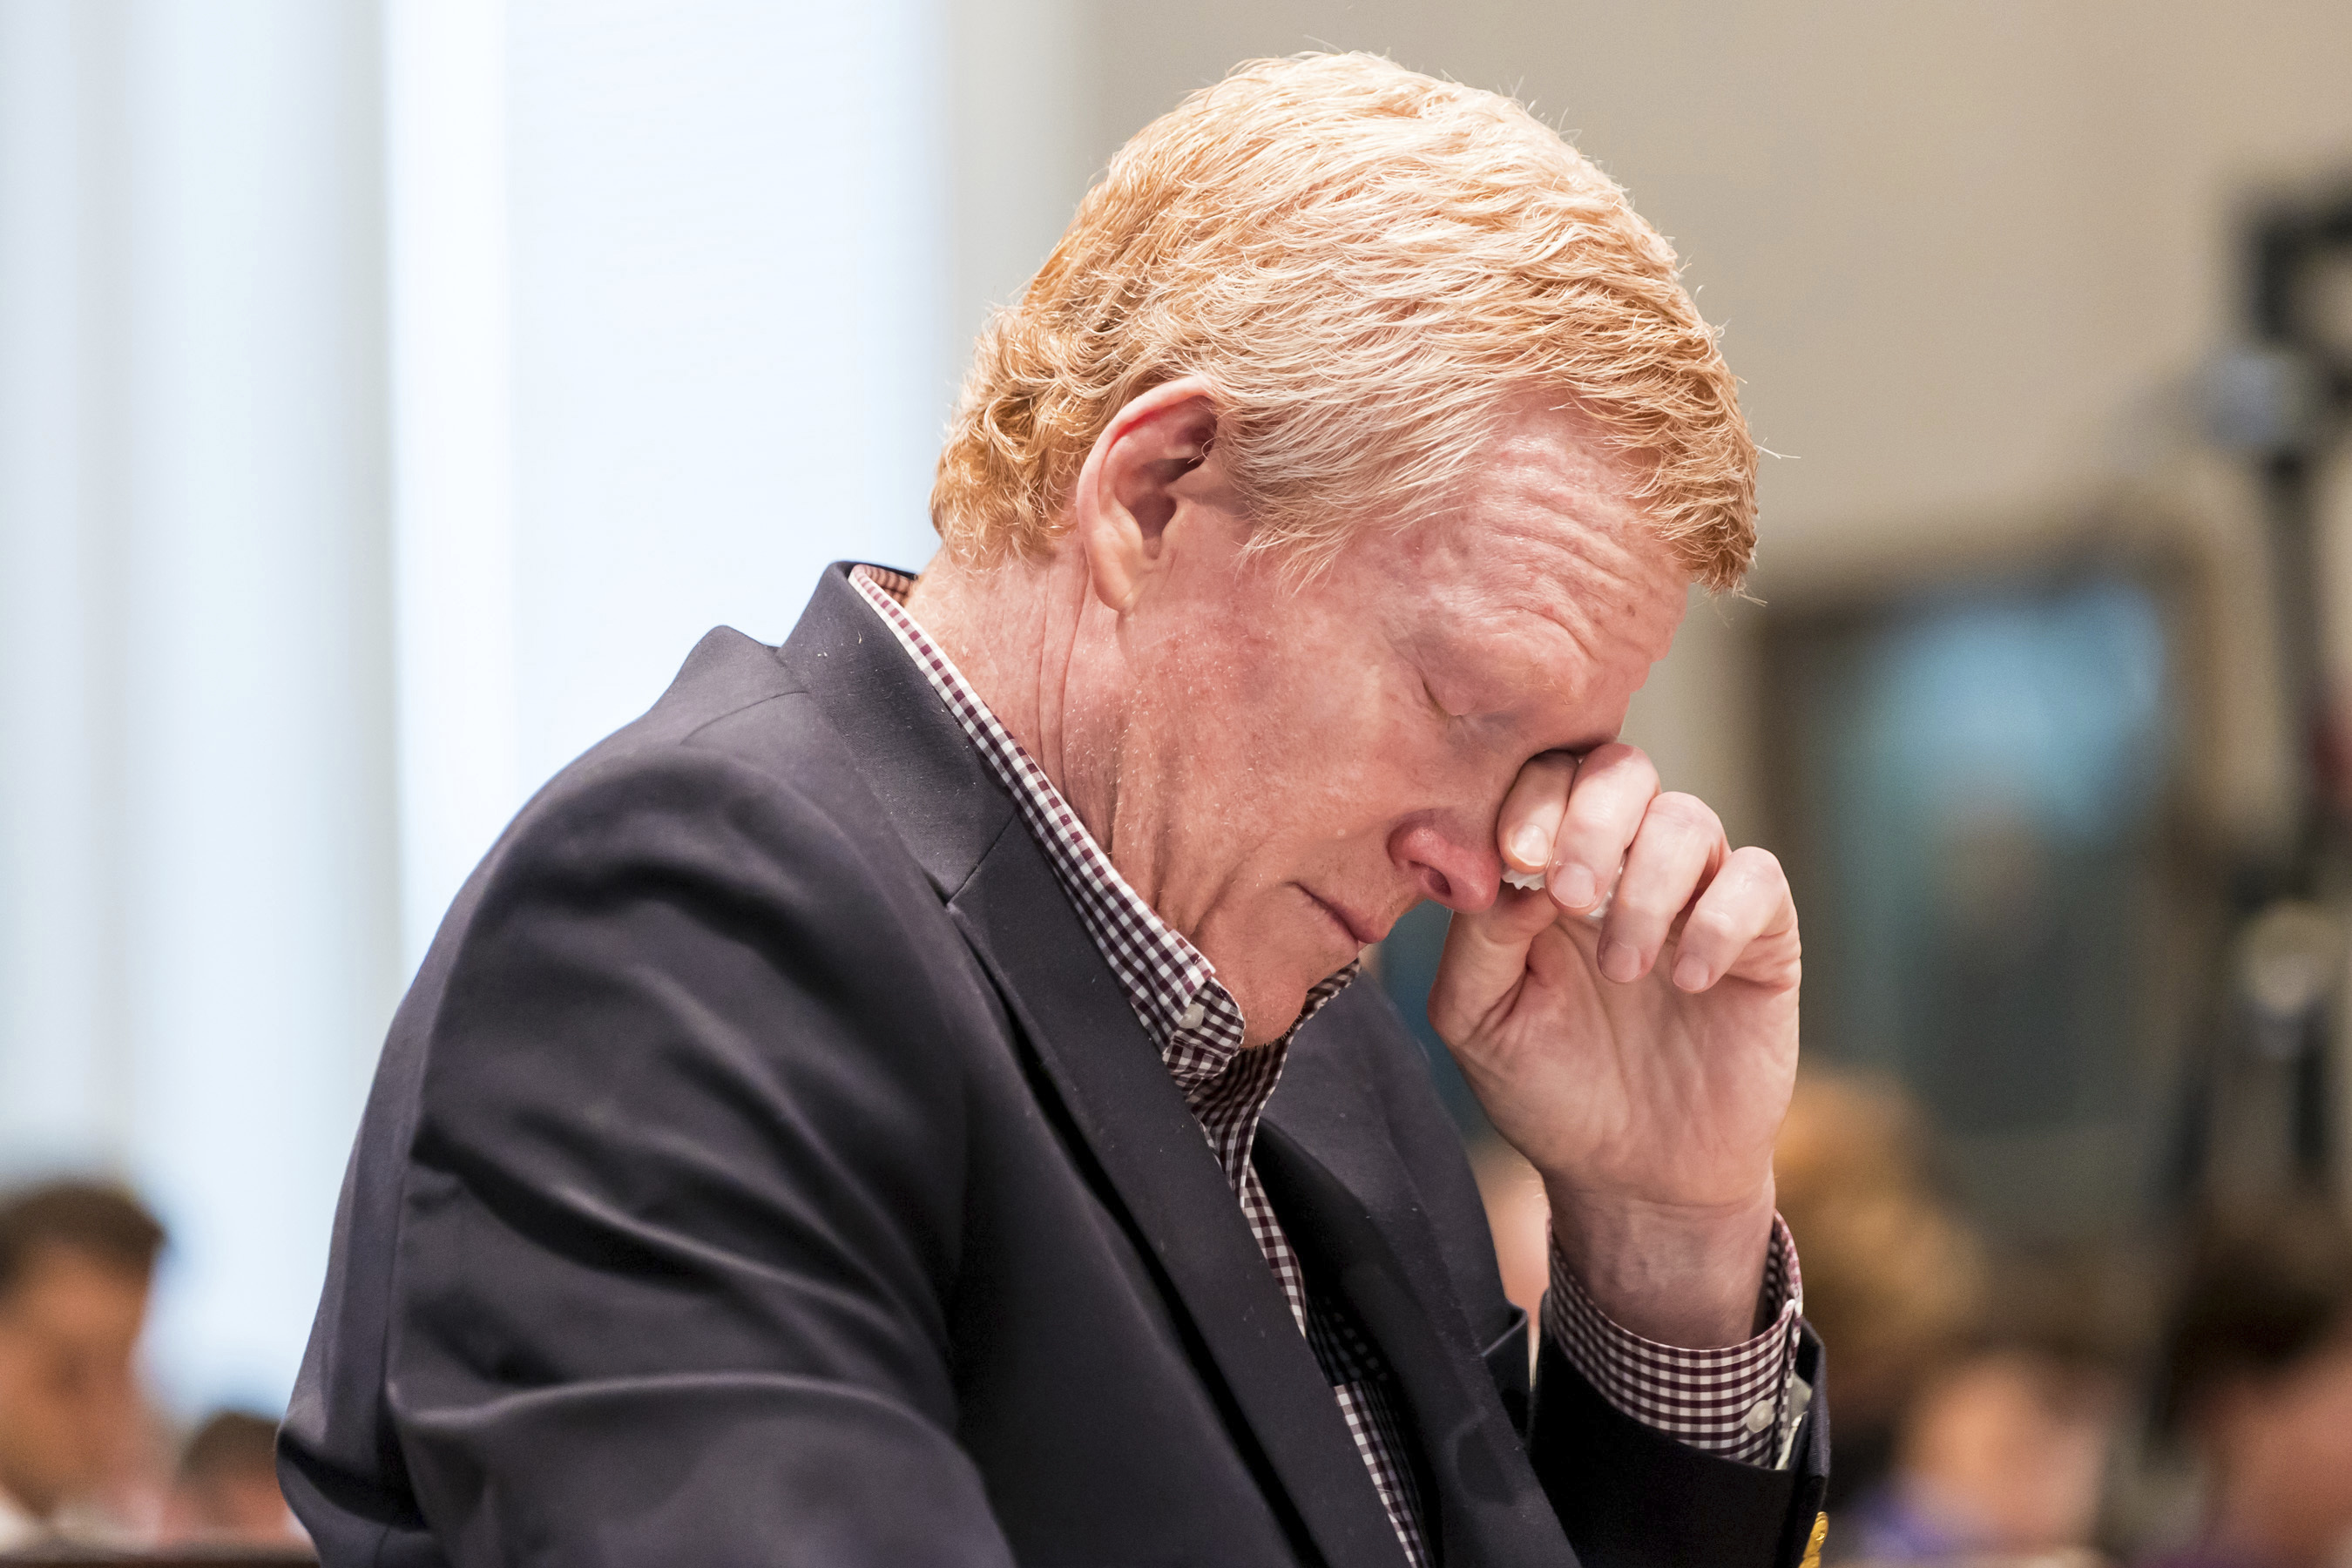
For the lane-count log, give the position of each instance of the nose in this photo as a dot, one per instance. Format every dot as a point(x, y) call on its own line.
point(1457, 867)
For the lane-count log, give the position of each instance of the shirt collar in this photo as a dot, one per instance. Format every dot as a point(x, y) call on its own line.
point(1174, 990)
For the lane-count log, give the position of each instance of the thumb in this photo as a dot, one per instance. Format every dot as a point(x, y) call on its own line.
point(1484, 959)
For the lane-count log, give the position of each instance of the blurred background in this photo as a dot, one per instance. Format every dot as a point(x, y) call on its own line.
point(390, 394)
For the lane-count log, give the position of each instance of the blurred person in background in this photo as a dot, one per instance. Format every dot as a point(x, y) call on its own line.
point(2258, 1381)
point(225, 1491)
point(77, 1259)
point(2001, 1456)
point(1893, 1275)
point(1973, 1416)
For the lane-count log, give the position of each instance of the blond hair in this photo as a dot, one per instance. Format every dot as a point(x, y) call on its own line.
point(1368, 265)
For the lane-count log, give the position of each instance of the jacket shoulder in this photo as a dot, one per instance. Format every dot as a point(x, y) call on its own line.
point(735, 764)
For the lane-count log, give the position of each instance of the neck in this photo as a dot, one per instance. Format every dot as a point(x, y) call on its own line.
point(1042, 651)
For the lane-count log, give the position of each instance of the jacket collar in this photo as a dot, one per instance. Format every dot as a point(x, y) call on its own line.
point(940, 797)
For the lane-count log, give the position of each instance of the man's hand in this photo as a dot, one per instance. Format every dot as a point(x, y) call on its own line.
point(1643, 1063)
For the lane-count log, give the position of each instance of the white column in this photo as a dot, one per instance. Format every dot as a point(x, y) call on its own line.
point(453, 445)
point(254, 631)
point(59, 1044)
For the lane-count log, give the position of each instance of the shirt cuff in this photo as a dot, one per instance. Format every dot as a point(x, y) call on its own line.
point(1742, 1401)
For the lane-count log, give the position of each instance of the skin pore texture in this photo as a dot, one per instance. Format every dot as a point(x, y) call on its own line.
point(1282, 768)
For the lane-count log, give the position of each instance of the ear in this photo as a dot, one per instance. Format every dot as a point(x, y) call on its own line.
point(1129, 492)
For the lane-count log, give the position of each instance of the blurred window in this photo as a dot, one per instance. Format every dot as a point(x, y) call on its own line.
point(1969, 782)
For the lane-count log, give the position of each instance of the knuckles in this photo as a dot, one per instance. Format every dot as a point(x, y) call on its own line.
point(1761, 867)
point(1709, 931)
point(1615, 770)
point(1684, 815)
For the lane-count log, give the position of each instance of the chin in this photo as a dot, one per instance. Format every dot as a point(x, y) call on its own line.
point(1271, 999)
point(1270, 964)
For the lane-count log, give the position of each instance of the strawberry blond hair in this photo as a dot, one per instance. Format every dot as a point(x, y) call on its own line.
point(1371, 268)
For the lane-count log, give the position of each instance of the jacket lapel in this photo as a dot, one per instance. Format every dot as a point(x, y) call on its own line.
point(1350, 1209)
point(962, 828)
point(1137, 1127)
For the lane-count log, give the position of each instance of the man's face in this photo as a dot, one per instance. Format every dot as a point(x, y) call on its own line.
point(1303, 767)
point(2287, 1452)
point(68, 1399)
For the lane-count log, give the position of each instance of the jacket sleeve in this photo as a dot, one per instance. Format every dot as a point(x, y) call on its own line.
point(1630, 1496)
point(681, 1210)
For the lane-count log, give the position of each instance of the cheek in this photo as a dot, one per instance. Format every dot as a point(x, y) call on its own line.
point(1366, 772)
point(1312, 738)
point(1297, 749)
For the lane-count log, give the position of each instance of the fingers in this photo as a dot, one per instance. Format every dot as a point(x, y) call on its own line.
point(1648, 869)
point(1673, 857)
point(1613, 787)
point(1532, 812)
point(1748, 900)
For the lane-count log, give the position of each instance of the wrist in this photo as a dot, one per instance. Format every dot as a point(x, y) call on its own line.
point(1679, 1274)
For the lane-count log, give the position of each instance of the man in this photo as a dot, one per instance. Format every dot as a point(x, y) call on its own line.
point(2258, 1378)
point(225, 1490)
point(2002, 1454)
point(76, 1259)
point(839, 1123)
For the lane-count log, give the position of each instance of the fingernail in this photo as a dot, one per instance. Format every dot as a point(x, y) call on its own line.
point(1690, 973)
point(1621, 962)
point(1530, 845)
point(1574, 887)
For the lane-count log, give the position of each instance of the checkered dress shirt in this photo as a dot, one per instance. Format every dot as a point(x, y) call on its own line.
point(1736, 1402)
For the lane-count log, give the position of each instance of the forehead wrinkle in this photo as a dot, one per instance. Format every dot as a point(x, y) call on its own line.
point(1593, 585)
point(1544, 579)
point(1544, 565)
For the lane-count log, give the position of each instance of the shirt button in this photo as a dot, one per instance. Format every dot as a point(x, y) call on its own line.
point(1759, 1416)
point(1192, 1015)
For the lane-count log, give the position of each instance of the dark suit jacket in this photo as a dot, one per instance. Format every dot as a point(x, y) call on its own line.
point(765, 1168)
